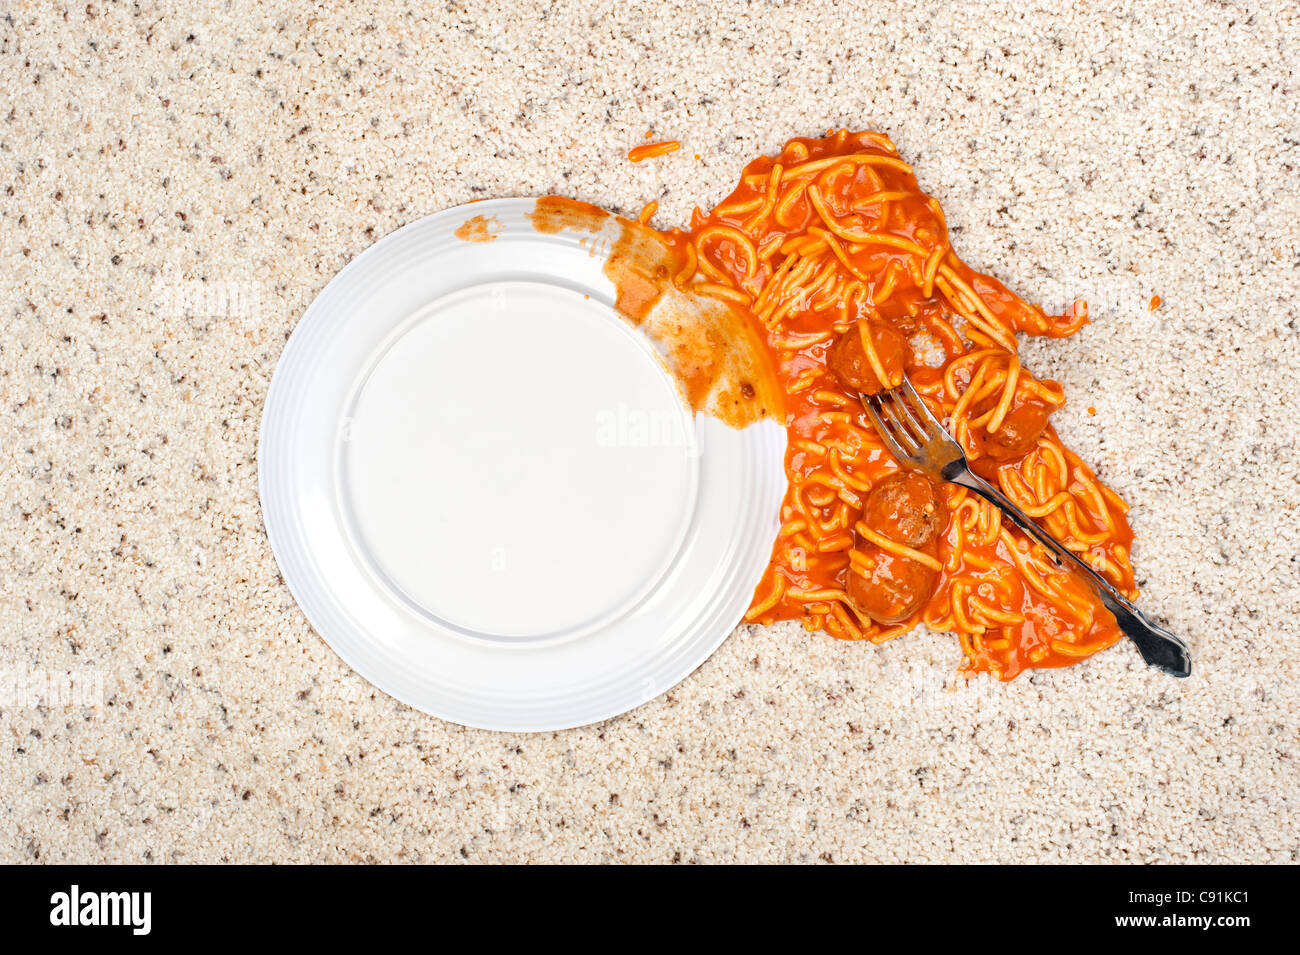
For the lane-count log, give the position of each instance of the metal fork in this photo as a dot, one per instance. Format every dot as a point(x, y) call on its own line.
point(915, 437)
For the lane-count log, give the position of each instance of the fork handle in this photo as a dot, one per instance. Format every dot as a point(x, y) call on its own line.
point(1159, 647)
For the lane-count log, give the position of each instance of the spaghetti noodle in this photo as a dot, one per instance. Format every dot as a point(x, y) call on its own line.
point(846, 269)
point(651, 150)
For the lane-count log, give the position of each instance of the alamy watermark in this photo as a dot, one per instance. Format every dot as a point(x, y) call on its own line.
point(51, 688)
point(133, 910)
point(625, 426)
point(194, 298)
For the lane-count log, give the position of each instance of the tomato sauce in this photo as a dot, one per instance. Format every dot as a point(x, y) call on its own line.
point(828, 272)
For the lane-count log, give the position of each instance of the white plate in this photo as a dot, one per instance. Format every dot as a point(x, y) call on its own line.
point(484, 488)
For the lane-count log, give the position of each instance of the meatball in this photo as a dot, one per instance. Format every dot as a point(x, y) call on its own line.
point(892, 589)
point(848, 359)
point(1019, 432)
point(907, 508)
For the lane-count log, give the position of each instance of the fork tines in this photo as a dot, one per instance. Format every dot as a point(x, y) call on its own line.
point(902, 418)
point(909, 430)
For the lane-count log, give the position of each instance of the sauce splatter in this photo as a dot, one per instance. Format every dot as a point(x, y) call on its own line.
point(1155, 303)
point(480, 229)
point(554, 214)
point(712, 347)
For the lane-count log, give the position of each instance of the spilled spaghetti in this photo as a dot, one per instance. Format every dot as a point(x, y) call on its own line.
point(843, 270)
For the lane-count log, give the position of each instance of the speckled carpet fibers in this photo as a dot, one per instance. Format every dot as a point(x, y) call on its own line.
point(176, 186)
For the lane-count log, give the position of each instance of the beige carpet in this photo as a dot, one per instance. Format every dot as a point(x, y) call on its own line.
point(176, 187)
